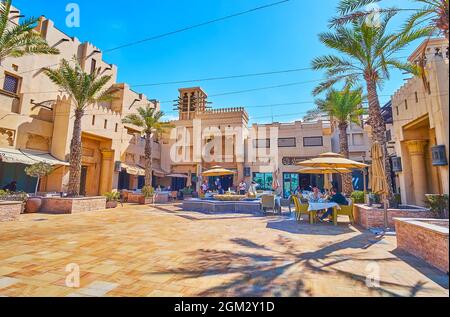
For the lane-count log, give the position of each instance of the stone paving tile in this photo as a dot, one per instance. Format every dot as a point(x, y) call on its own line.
point(164, 251)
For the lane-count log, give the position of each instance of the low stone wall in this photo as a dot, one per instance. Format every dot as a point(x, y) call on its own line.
point(10, 210)
point(56, 205)
point(426, 239)
point(371, 217)
point(206, 206)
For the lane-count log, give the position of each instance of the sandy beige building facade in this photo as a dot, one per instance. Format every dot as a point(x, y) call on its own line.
point(421, 127)
point(37, 119)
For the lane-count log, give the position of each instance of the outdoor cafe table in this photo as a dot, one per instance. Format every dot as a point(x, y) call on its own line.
point(322, 206)
point(314, 207)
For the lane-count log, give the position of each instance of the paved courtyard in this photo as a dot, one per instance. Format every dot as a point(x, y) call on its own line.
point(163, 251)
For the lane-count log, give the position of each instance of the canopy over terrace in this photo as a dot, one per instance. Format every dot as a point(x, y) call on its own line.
point(29, 157)
point(13, 163)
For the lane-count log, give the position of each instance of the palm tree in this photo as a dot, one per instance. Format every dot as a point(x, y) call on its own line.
point(432, 16)
point(83, 89)
point(17, 40)
point(343, 107)
point(149, 119)
point(367, 54)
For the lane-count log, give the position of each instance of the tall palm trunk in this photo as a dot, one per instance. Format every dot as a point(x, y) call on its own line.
point(347, 186)
point(378, 125)
point(148, 159)
point(75, 156)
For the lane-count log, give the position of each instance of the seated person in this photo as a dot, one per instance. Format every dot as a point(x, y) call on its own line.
point(315, 196)
point(220, 190)
point(337, 198)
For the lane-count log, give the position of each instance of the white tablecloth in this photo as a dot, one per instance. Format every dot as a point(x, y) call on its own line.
point(322, 206)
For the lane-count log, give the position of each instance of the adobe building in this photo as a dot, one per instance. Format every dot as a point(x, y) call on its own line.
point(36, 123)
point(421, 126)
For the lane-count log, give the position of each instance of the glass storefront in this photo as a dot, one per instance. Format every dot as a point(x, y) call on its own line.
point(264, 180)
point(290, 184)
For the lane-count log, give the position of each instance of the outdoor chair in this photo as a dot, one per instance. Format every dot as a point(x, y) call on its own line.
point(173, 196)
point(344, 211)
point(268, 202)
point(302, 209)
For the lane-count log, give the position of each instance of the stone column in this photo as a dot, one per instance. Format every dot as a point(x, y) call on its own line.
point(106, 171)
point(416, 149)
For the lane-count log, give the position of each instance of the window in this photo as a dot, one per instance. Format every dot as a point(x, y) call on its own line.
point(117, 127)
point(406, 104)
point(105, 125)
point(388, 135)
point(358, 139)
point(287, 142)
point(264, 180)
point(261, 143)
point(313, 141)
point(11, 84)
point(398, 113)
point(417, 97)
point(93, 66)
point(93, 120)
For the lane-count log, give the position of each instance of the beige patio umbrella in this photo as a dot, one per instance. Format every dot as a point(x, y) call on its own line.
point(332, 160)
point(378, 180)
point(217, 171)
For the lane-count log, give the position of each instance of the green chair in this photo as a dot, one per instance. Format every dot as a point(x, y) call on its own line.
point(302, 209)
point(344, 211)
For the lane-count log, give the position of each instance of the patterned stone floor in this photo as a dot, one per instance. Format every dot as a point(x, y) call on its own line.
point(163, 251)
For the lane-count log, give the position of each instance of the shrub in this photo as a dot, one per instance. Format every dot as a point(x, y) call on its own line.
point(148, 191)
point(358, 197)
point(113, 196)
point(39, 170)
point(19, 196)
point(438, 205)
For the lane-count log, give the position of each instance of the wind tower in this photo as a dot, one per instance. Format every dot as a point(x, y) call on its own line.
point(191, 102)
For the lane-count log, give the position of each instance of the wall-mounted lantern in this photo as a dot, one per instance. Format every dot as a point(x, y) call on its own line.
point(439, 156)
point(397, 164)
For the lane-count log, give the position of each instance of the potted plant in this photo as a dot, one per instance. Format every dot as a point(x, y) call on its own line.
point(148, 195)
point(38, 170)
point(112, 200)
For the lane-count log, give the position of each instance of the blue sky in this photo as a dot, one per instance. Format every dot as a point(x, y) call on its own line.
point(277, 38)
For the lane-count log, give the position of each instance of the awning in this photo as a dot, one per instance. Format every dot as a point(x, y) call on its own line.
point(159, 172)
point(133, 169)
point(177, 176)
point(28, 157)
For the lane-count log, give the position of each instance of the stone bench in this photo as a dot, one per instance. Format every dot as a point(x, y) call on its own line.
point(57, 205)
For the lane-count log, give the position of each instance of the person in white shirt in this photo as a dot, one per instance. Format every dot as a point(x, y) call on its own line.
point(242, 188)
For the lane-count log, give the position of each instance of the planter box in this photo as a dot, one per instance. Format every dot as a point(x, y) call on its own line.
point(426, 239)
point(56, 205)
point(10, 210)
point(133, 198)
point(111, 204)
point(373, 217)
point(146, 201)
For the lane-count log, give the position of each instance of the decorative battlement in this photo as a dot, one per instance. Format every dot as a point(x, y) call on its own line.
point(225, 110)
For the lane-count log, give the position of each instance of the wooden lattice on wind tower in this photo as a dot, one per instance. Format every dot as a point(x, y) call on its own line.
point(191, 102)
